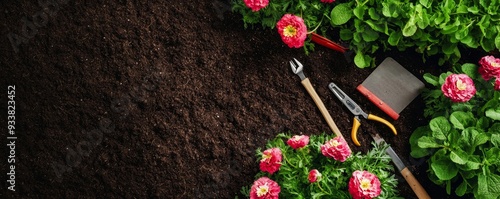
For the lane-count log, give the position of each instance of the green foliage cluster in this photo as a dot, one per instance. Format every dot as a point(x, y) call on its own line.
point(462, 140)
point(296, 164)
point(430, 27)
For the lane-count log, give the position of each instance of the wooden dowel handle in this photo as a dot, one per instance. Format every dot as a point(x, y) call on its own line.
point(307, 84)
point(414, 184)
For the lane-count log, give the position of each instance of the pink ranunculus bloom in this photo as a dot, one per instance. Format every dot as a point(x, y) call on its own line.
point(364, 184)
point(327, 1)
point(497, 84)
point(256, 5)
point(293, 30)
point(459, 88)
point(264, 188)
point(337, 149)
point(271, 160)
point(314, 176)
point(298, 141)
point(489, 67)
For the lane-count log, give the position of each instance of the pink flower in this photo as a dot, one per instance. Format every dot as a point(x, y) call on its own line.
point(364, 184)
point(459, 88)
point(256, 5)
point(497, 84)
point(314, 176)
point(298, 141)
point(327, 1)
point(489, 67)
point(264, 188)
point(293, 30)
point(271, 160)
point(336, 148)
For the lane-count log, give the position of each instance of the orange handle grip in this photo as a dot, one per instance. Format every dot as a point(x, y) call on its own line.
point(382, 120)
point(354, 131)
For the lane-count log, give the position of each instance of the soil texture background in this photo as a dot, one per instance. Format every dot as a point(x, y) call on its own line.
point(166, 99)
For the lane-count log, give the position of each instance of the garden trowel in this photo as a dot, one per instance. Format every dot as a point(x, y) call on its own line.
point(391, 87)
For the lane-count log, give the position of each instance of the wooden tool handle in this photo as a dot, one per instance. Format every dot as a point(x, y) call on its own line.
point(414, 184)
point(307, 84)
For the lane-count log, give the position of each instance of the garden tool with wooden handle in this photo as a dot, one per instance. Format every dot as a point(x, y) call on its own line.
point(356, 110)
point(297, 69)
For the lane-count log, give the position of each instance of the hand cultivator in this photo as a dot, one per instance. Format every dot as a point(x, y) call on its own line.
point(297, 69)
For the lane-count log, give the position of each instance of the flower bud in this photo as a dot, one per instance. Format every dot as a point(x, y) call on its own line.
point(314, 176)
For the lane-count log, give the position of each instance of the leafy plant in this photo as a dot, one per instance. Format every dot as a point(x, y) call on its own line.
point(306, 172)
point(462, 140)
point(429, 27)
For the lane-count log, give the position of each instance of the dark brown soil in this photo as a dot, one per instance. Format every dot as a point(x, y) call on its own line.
point(165, 99)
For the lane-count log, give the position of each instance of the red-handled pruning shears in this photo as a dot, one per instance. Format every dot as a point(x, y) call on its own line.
point(356, 110)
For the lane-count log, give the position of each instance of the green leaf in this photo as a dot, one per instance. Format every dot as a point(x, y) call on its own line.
point(431, 79)
point(493, 155)
point(495, 140)
point(360, 61)
point(369, 35)
point(487, 185)
point(497, 41)
point(493, 113)
point(428, 142)
point(458, 156)
point(394, 38)
point(426, 3)
point(461, 189)
point(440, 127)
point(359, 12)
point(373, 14)
point(341, 14)
point(416, 151)
point(410, 27)
point(462, 120)
point(345, 34)
point(470, 70)
point(444, 169)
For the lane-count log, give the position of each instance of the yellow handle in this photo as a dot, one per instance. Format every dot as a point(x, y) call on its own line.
point(354, 131)
point(414, 184)
point(307, 84)
point(382, 120)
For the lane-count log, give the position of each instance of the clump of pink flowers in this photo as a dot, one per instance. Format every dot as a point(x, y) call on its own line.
point(256, 5)
point(264, 188)
point(298, 141)
point(293, 30)
point(363, 185)
point(336, 148)
point(458, 87)
point(271, 160)
point(314, 176)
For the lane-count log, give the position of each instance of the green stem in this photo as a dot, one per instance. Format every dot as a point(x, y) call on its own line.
point(322, 190)
point(288, 162)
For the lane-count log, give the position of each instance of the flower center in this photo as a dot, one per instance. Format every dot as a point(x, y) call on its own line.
point(365, 184)
point(266, 157)
point(334, 143)
point(495, 64)
point(461, 85)
point(297, 138)
point(289, 31)
point(262, 190)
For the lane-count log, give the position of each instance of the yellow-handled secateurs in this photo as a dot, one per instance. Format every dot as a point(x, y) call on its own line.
point(357, 111)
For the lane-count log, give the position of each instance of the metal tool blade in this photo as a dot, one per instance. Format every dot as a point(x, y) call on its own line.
point(395, 158)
